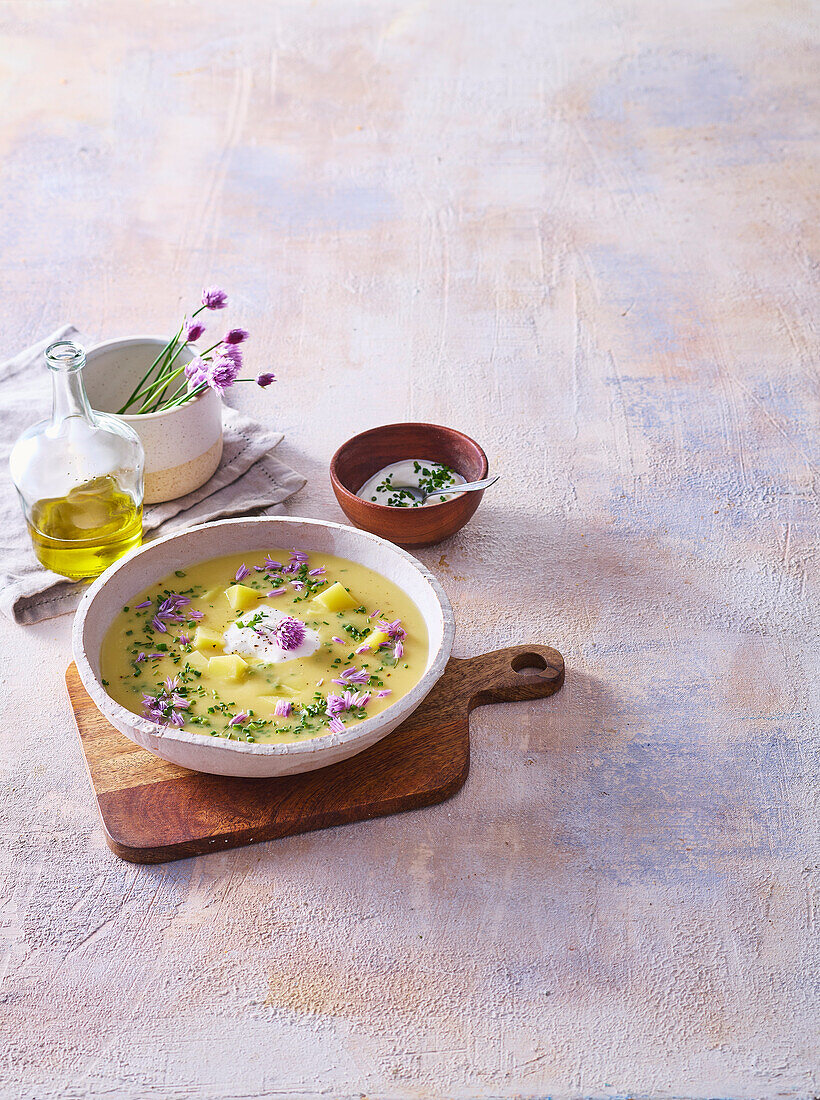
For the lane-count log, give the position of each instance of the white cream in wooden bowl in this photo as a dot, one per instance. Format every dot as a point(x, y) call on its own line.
point(384, 487)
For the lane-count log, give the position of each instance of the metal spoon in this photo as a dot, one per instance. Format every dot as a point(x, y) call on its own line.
point(419, 496)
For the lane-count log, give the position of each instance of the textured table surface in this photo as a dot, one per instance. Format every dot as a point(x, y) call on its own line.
point(582, 232)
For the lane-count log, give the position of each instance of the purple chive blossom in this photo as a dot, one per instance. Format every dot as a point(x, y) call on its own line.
point(393, 630)
point(297, 559)
point(139, 606)
point(276, 592)
point(363, 649)
point(158, 624)
point(175, 600)
point(264, 380)
point(235, 336)
point(289, 633)
point(194, 614)
point(340, 641)
point(320, 682)
point(154, 656)
point(183, 639)
point(214, 298)
point(164, 707)
point(317, 572)
point(355, 676)
point(270, 565)
point(398, 650)
point(336, 725)
point(152, 709)
point(348, 700)
point(334, 704)
point(219, 375)
point(169, 608)
point(195, 371)
point(140, 658)
point(222, 374)
point(298, 585)
point(194, 331)
point(232, 353)
point(351, 676)
point(238, 719)
point(242, 572)
point(282, 708)
point(378, 611)
point(381, 694)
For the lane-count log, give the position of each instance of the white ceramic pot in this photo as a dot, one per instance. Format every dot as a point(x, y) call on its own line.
point(182, 446)
point(125, 579)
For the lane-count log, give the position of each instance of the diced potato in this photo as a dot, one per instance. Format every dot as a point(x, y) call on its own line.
point(375, 639)
point(229, 666)
point(336, 598)
point(240, 597)
point(206, 640)
point(196, 660)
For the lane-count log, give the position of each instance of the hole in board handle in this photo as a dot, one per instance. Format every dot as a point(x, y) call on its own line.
point(529, 665)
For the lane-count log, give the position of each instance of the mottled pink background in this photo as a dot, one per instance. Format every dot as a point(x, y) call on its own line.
point(584, 232)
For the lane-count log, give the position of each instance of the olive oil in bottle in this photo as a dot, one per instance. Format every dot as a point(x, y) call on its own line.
point(81, 534)
point(79, 477)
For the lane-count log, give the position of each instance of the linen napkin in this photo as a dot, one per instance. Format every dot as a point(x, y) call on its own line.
point(249, 479)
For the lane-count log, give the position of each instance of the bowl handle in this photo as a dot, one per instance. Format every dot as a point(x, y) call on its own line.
point(511, 675)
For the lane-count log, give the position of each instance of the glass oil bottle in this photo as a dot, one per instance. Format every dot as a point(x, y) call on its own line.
point(79, 477)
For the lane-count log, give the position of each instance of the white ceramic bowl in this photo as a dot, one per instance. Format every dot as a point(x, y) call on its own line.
point(125, 579)
point(182, 446)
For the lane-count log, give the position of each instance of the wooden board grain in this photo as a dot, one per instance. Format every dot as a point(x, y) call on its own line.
point(153, 811)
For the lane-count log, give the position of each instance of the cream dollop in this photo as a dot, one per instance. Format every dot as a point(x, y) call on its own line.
point(255, 635)
point(379, 488)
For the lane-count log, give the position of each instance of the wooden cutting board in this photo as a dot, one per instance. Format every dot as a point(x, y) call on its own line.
point(153, 811)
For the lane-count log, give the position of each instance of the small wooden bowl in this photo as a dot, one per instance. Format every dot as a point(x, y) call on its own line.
point(367, 453)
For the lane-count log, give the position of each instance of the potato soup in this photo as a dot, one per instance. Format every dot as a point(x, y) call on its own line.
point(262, 647)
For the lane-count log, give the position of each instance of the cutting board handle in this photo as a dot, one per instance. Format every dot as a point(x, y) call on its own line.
point(511, 675)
